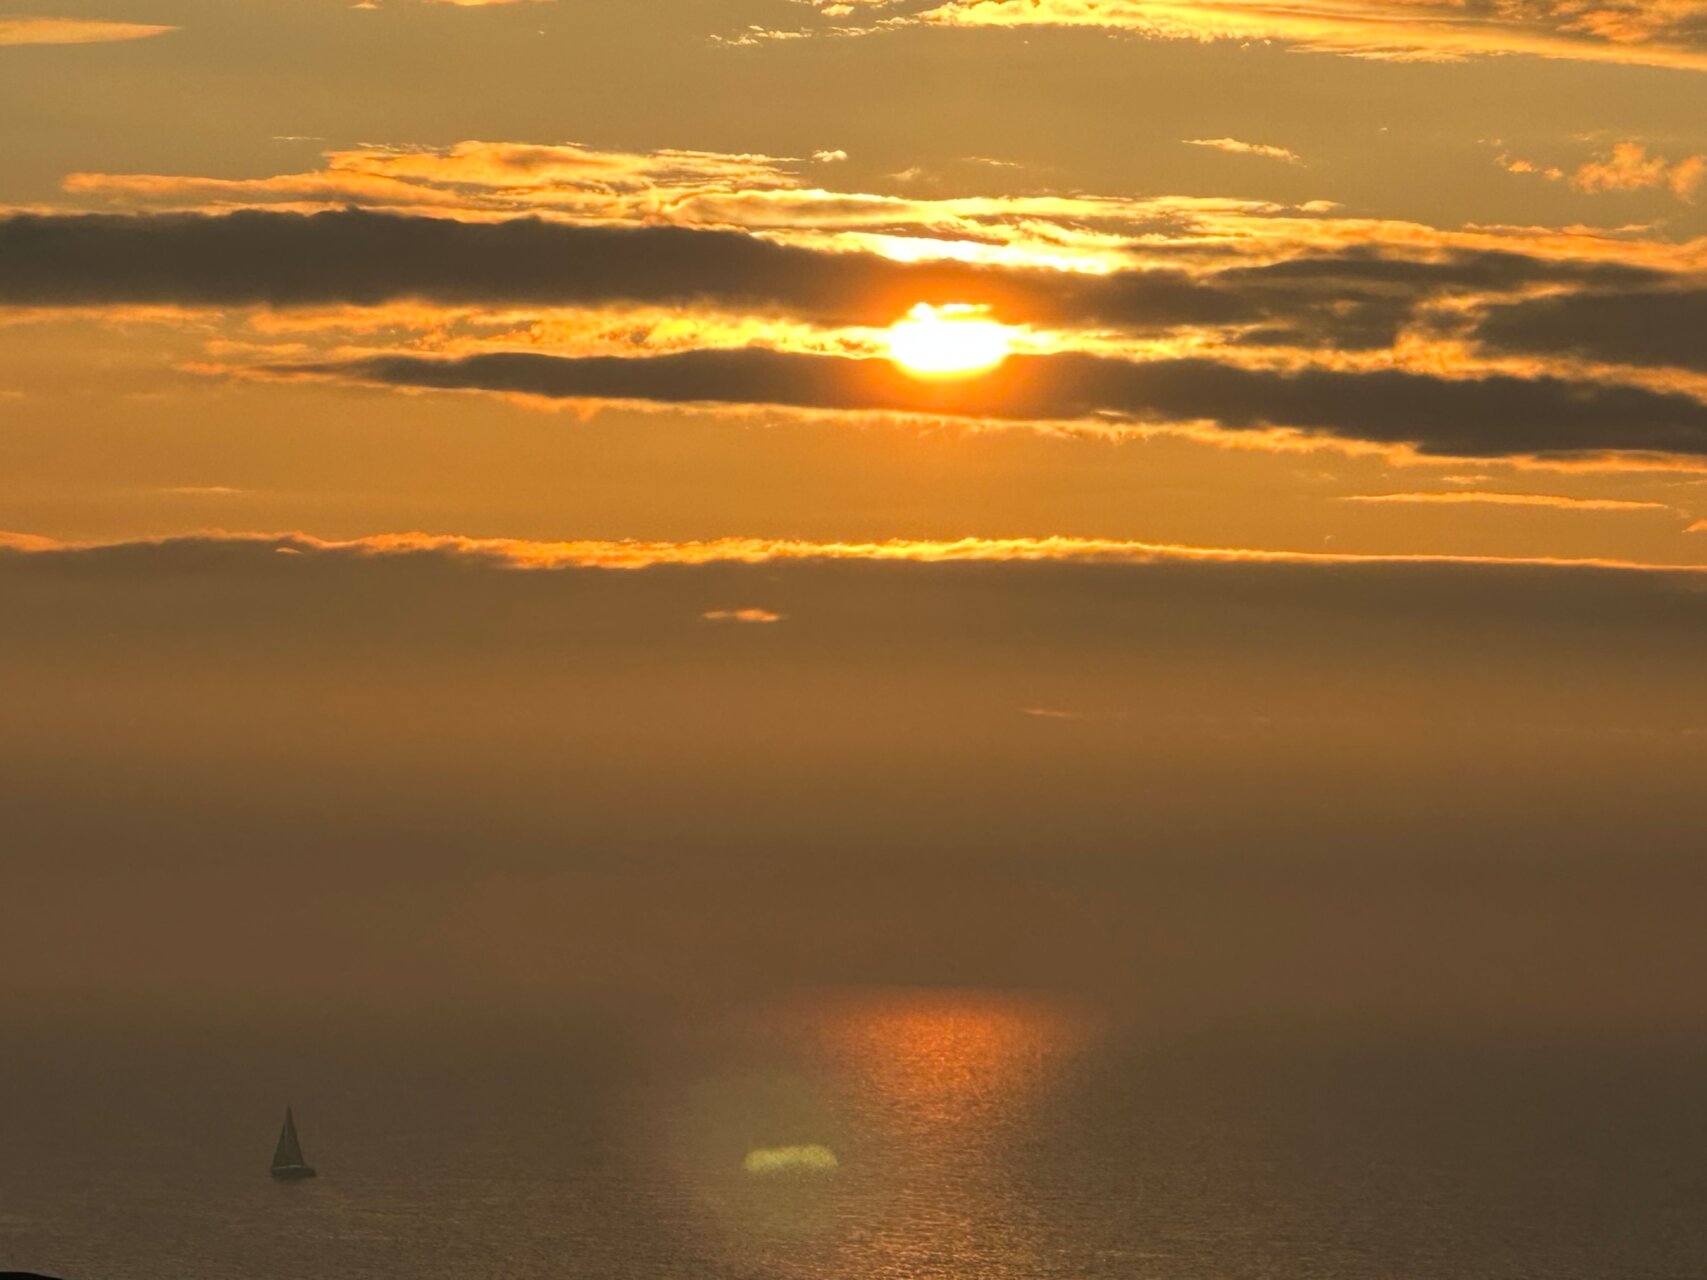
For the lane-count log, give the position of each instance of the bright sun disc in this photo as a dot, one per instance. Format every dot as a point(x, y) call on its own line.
point(946, 341)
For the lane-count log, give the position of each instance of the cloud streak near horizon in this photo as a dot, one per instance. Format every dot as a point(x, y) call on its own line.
point(635, 554)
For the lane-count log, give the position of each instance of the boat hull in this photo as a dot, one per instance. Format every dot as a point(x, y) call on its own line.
point(293, 1173)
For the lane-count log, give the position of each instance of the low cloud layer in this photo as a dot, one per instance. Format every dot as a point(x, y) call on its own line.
point(1467, 788)
point(633, 553)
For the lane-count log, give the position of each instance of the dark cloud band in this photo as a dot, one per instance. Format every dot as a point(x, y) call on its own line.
point(1654, 327)
point(1487, 416)
point(1356, 298)
point(365, 259)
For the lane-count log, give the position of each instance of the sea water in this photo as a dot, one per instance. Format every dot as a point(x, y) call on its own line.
point(872, 1135)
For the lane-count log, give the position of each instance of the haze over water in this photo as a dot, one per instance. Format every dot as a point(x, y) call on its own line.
point(975, 1135)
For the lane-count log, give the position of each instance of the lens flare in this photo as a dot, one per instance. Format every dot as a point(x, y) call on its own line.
point(811, 1158)
point(948, 342)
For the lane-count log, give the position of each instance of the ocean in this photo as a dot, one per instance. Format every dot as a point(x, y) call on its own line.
point(852, 1135)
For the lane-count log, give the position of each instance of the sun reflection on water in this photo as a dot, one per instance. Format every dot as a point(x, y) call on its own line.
point(944, 1057)
point(927, 1100)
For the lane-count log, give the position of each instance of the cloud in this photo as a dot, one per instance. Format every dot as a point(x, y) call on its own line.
point(284, 259)
point(741, 615)
point(18, 31)
point(1513, 164)
point(1659, 326)
point(1235, 147)
point(1493, 415)
point(1629, 167)
point(1336, 296)
point(634, 554)
point(1056, 713)
point(1078, 232)
point(1639, 32)
point(1524, 347)
point(1483, 497)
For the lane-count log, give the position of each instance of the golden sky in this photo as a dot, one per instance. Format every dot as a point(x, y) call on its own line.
point(1217, 395)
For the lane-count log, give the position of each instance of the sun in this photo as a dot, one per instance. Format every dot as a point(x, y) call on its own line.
point(948, 341)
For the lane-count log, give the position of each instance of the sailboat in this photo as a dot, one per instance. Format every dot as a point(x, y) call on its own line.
point(288, 1164)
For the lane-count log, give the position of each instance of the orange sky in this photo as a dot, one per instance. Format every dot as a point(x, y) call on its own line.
point(1334, 371)
point(1456, 319)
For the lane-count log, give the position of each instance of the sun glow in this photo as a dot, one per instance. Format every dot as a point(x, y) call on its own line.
point(949, 341)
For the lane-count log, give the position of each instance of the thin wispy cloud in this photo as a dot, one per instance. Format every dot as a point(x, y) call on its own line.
point(1630, 167)
point(1078, 231)
point(1071, 716)
point(1632, 32)
point(1233, 146)
point(45, 31)
point(1490, 498)
point(637, 554)
point(759, 616)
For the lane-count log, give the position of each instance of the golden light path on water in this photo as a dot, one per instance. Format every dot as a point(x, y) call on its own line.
point(873, 1134)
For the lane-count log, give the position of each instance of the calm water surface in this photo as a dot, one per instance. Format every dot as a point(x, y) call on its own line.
point(973, 1136)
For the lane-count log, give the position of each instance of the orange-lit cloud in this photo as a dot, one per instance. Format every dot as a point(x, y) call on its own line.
point(741, 615)
point(768, 195)
point(475, 180)
point(1475, 415)
point(16, 31)
point(1358, 282)
point(1640, 32)
point(695, 254)
point(1235, 147)
point(1482, 497)
point(1630, 167)
point(1516, 164)
point(519, 553)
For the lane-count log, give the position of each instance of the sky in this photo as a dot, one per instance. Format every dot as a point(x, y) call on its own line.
point(1197, 501)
